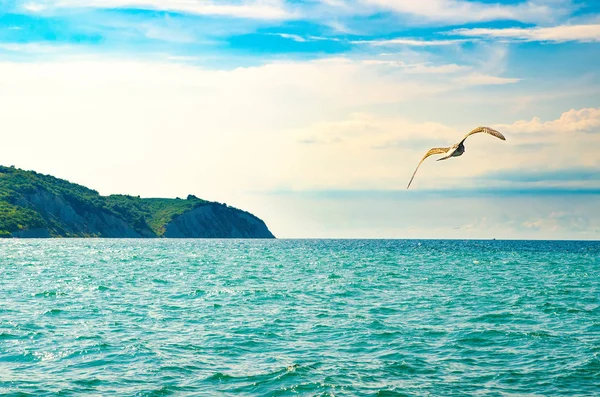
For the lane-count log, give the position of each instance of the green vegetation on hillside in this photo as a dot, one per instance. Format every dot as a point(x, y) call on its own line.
point(154, 213)
point(14, 218)
point(17, 211)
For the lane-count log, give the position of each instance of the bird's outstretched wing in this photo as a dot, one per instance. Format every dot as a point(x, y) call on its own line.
point(435, 150)
point(486, 130)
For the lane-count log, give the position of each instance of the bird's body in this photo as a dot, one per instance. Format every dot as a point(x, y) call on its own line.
point(457, 149)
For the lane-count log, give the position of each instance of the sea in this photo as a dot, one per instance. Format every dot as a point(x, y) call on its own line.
point(158, 317)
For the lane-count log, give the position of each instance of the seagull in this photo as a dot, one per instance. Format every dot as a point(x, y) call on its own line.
point(457, 149)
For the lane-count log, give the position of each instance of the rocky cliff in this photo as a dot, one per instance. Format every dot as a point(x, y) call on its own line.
point(36, 205)
point(65, 218)
point(214, 221)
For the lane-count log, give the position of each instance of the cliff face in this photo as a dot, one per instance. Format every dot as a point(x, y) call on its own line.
point(68, 221)
point(217, 221)
point(33, 205)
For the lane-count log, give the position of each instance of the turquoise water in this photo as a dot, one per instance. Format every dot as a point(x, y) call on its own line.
point(295, 317)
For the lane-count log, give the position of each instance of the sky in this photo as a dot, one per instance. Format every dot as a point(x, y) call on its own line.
point(313, 114)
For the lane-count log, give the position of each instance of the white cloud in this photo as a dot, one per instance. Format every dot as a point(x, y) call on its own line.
point(335, 3)
point(167, 34)
point(370, 131)
point(160, 129)
point(409, 42)
point(252, 9)
point(420, 68)
point(224, 127)
point(34, 7)
point(562, 221)
point(462, 11)
point(293, 37)
point(568, 142)
point(36, 48)
point(302, 39)
point(333, 13)
point(390, 148)
point(258, 116)
point(582, 120)
point(485, 79)
point(370, 151)
point(556, 34)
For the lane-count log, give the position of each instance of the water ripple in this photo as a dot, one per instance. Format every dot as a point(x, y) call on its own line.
point(299, 317)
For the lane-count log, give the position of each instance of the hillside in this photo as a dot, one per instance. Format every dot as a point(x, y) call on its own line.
point(37, 205)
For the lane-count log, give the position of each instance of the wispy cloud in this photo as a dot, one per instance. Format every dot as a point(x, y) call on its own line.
point(36, 48)
point(462, 11)
point(419, 68)
point(289, 36)
point(303, 39)
point(410, 42)
point(482, 79)
point(561, 220)
point(367, 130)
point(251, 9)
point(166, 34)
point(555, 34)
